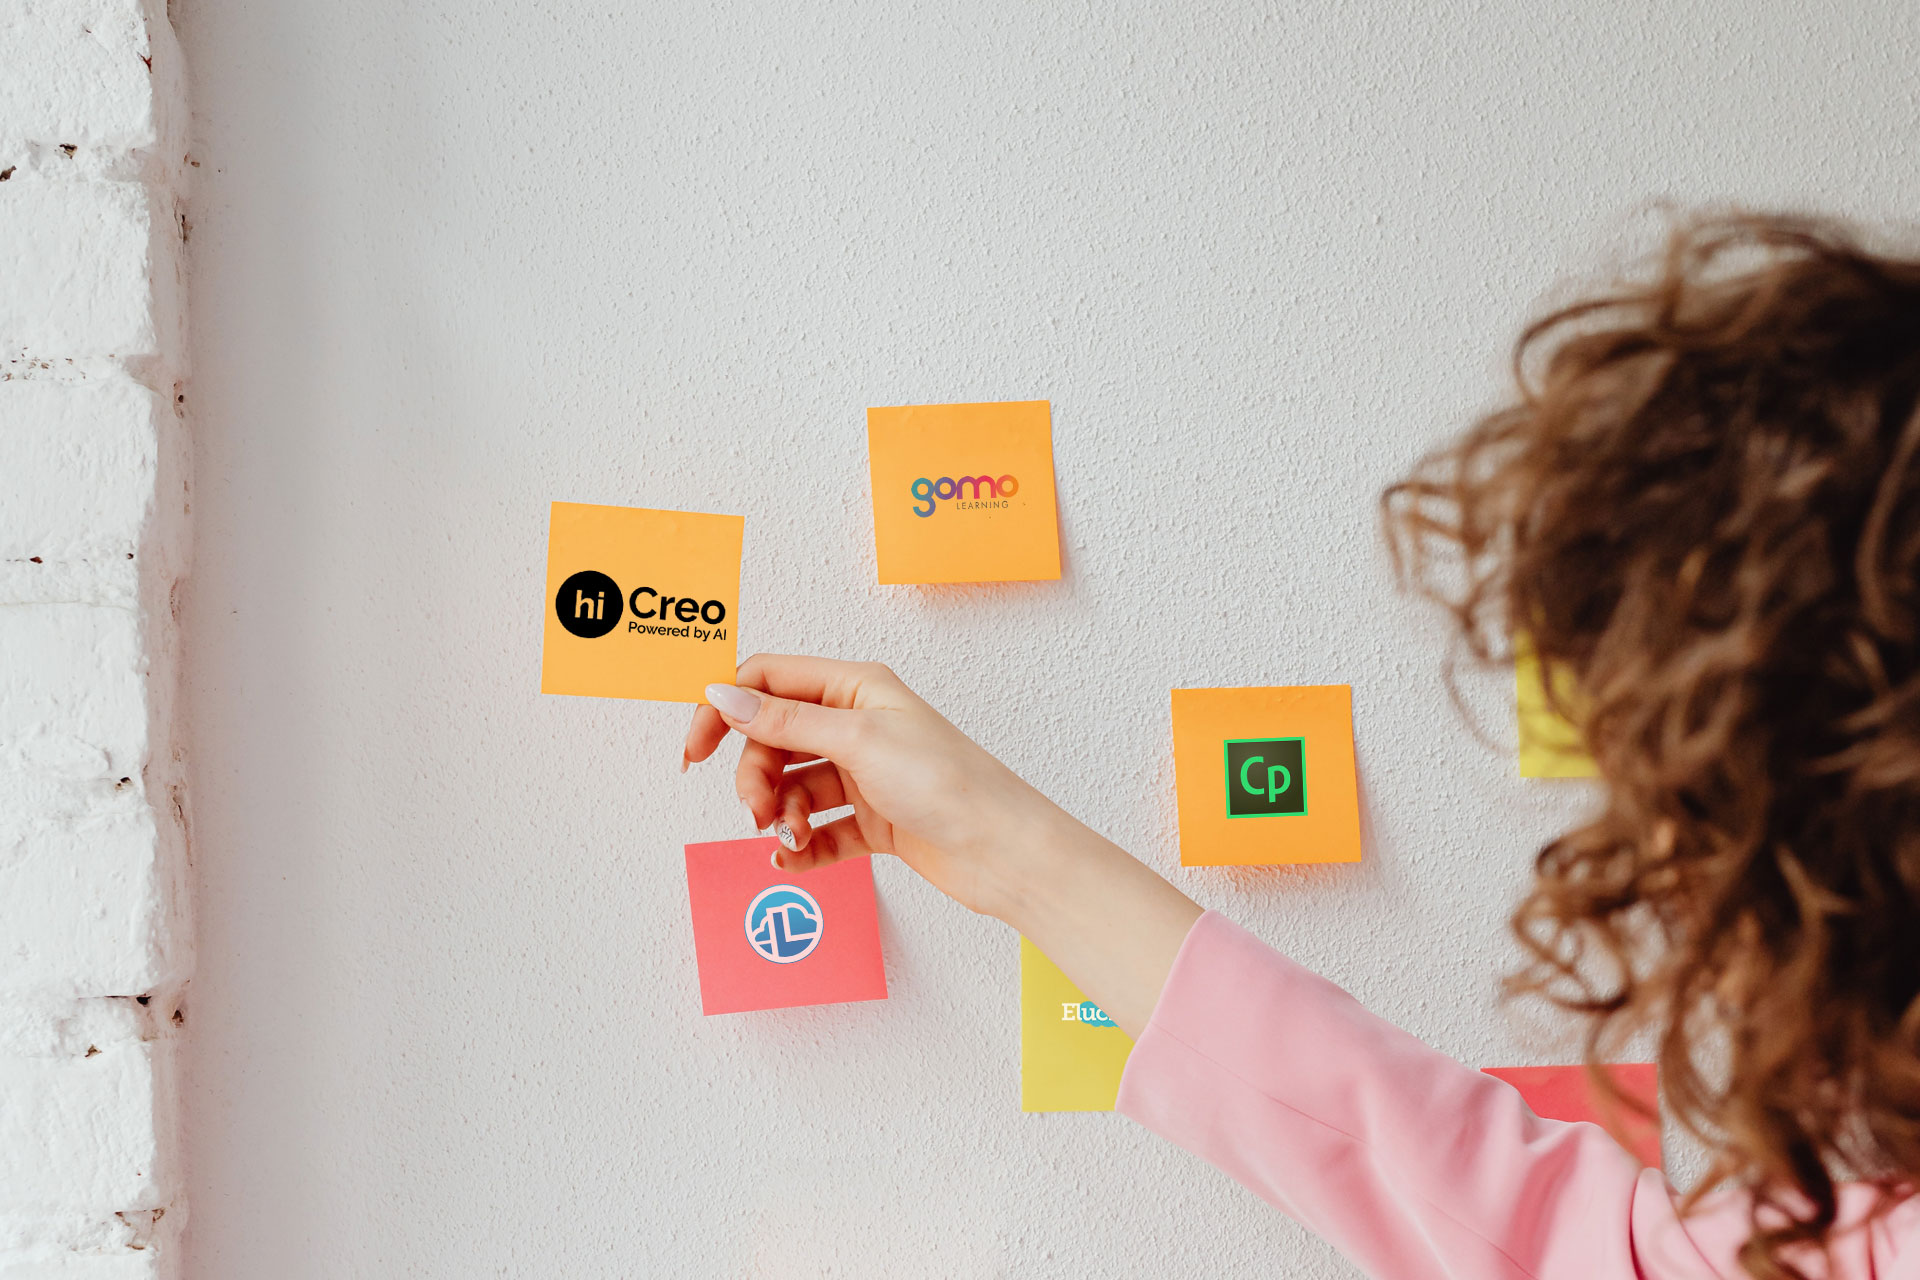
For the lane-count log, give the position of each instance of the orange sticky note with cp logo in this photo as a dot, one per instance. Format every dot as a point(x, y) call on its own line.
point(1266, 775)
point(964, 492)
point(640, 603)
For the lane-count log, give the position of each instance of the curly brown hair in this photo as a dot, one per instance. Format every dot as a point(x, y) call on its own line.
point(1703, 511)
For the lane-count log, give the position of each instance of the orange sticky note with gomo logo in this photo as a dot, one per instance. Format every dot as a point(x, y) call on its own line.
point(1266, 775)
point(640, 603)
point(964, 492)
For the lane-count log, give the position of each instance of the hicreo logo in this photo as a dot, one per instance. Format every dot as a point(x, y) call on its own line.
point(784, 924)
point(1266, 777)
point(588, 604)
point(987, 492)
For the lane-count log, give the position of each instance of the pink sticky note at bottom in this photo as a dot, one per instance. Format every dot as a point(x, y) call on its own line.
point(770, 939)
point(1567, 1093)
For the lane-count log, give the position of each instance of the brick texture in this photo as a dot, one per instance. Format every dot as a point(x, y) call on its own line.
point(77, 75)
point(94, 954)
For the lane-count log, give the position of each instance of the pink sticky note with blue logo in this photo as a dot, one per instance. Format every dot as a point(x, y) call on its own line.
point(770, 939)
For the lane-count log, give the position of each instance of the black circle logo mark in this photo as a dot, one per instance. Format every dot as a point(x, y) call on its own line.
point(588, 604)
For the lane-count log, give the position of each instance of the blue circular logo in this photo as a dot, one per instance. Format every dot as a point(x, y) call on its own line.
point(784, 924)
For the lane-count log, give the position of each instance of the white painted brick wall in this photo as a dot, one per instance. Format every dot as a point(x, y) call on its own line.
point(77, 74)
point(79, 1132)
point(75, 263)
point(94, 952)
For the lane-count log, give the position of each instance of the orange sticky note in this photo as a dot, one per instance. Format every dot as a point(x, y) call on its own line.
point(1568, 1093)
point(964, 492)
point(770, 939)
point(1266, 775)
point(640, 604)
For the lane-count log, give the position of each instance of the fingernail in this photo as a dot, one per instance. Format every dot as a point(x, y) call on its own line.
point(733, 702)
point(785, 834)
point(683, 762)
point(775, 860)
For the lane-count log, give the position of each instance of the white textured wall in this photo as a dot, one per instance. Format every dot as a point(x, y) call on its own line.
point(94, 944)
point(455, 260)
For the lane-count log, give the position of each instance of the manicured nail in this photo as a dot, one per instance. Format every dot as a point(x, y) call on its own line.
point(775, 860)
point(733, 702)
point(785, 834)
point(683, 762)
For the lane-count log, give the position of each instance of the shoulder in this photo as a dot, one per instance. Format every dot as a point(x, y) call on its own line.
point(1877, 1235)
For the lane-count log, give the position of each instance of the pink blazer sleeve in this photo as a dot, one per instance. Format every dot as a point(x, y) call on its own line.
point(1414, 1166)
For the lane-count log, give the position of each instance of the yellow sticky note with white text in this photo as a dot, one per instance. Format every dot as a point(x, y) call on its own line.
point(1071, 1053)
point(963, 492)
point(1550, 744)
point(640, 603)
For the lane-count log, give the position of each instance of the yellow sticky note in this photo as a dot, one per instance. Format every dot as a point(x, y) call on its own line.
point(1550, 744)
point(1071, 1054)
point(1266, 775)
point(964, 492)
point(640, 604)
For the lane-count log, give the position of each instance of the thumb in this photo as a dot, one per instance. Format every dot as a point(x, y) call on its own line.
point(783, 722)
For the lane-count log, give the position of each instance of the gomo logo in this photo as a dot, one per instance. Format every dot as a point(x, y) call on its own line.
point(987, 491)
point(588, 605)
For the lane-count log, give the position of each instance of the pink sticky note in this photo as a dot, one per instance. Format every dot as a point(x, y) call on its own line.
point(1565, 1093)
point(770, 939)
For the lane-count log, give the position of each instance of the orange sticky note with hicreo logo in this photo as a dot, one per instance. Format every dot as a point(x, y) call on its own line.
point(964, 492)
point(1266, 775)
point(640, 603)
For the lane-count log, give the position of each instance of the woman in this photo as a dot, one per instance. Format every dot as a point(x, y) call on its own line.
point(1700, 509)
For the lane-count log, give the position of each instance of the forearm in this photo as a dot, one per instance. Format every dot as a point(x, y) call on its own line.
point(923, 790)
point(1110, 922)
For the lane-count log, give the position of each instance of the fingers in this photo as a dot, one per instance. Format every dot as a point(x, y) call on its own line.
point(834, 842)
point(757, 780)
point(762, 723)
point(706, 733)
point(827, 681)
point(801, 794)
point(709, 730)
point(786, 723)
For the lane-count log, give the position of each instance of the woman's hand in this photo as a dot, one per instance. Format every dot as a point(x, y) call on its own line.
point(857, 736)
point(823, 734)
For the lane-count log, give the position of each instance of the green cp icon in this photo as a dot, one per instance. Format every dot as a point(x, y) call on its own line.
point(1266, 777)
